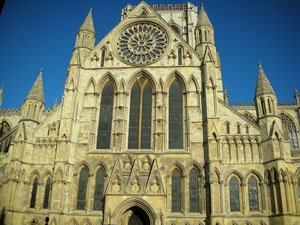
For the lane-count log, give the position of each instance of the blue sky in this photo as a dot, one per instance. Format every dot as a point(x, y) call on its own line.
point(41, 34)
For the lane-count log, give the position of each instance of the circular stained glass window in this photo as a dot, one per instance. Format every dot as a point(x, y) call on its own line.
point(142, 43)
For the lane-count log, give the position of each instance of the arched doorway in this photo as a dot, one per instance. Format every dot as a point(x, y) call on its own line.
point(135, 216)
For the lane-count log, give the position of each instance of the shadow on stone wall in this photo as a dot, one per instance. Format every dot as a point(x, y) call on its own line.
point(2, 216)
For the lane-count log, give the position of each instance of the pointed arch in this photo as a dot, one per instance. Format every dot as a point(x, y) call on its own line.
point(100, 163)
point(193, 81)
point(234, 173)
point(71, 85)
point(107, 77)
point(78, 166)
point(290, 127)
point(58, 174)
point(47, 174)
point(34, 174)
point(72, 221)
point(178, 165)
point(90, 88)
point(176, 75)
point(86, 221)
point(142, 73)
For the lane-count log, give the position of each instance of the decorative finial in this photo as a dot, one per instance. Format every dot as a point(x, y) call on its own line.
point(41, 70)
point(201, 5)
point(259, 64)
point(91, 9)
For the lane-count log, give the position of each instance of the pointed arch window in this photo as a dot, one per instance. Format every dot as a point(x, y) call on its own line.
point(269, 105)
point(234, 195)
point(82, 186)
point(140, 115)
point(194, 191)
point(105, 117)
point(253, 194)
point(103, 55)
point(175, 117)
point(4, 128)
point(179, 52)
point(200, 36)
point(205, 33)
point(33, 193)
point(238, 129)
point(227, 128)
point(176, 191)
point(291, 130)
point(47, 194)
point(99, 187)
point(263, 106)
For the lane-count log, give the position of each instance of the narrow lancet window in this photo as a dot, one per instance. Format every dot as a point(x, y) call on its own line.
point(194, 191)
point(33, 193)
point(140, 115)
point(234, 195)
point(253, 194)
point(179, 56)
point(105, 118)
point(176, 191)
point(82, 186)
point(99, 187)
point(102, 58)
point(263, 106)
point(175, 117)
point(291, 130)
point(47, 194)
point(227, 128)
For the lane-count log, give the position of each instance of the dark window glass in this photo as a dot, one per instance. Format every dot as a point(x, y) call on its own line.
point(298, 186)
point(176, 191)
point(263, 106)
point(99, 187)
point(134, 117)
point(238, 129)
point(269, 105)
point(82, 186)
point(247, 130)
point(175, 117)
point(234, 195)
point(140, 115)
point(227, 128)
point(291, 130)
point(105, 118)
point(179, 56)
point(253, 194)
point(194, 192)
point(102, 58)
point(33, 193)
point(47, 194)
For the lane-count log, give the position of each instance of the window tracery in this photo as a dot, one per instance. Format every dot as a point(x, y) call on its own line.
point(234, 195)
point(253, 194)
point(291, 129)
point(82, 188)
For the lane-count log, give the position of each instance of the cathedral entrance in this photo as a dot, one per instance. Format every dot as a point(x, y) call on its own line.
point(135, 216)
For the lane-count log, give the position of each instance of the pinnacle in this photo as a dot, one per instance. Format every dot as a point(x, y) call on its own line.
point(37, 90)
point(263, 85)
point(203, 19)
point(88, 23)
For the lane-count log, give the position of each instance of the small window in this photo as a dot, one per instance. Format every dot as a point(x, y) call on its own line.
point(227, 128)
point(176, 191)
point(103, 53)
point(247, 130)
point(269, 105)
point(179, 56)
point(238, 129)
point(263, 106)
point(205, 33)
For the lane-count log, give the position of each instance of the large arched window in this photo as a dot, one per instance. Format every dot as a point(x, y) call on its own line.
point(47, 194)
point(194, 191)
point(82, 186)
point(4, 128)
point(33, 193)
point(175, 117)
point(234, 195)
point(291, 129)
point(176, 191)
point(99, 187)
point(253, 194)
point(140, 115)
point(105, 118)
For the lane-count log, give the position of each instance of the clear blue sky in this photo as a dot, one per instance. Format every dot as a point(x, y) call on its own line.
point(41, 34)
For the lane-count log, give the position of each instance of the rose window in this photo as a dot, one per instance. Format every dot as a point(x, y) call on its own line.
point(142, 43)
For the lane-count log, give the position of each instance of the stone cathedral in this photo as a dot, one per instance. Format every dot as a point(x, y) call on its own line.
point(145, 135)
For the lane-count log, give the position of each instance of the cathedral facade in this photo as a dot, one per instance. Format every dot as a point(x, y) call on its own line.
point(145, 135)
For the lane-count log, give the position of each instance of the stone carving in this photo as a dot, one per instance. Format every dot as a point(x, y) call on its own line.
point(142, 43)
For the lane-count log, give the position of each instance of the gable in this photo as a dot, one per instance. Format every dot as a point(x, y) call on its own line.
point(143, 38)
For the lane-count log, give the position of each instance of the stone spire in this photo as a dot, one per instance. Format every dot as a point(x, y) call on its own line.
point(263, 85)
point(297, 96)
point(37, 90)
point(226, 96)
point(88, 24)
point(203, 19)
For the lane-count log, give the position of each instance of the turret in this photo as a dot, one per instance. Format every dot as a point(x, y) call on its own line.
point(33, 105)
point(297, 97)
point(204, 34)
point(265, 97)
point(85, 40)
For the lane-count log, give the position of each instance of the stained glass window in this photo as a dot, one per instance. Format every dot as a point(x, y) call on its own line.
point(234, 195)
point(105, 118)
point(179, 56)
point(291, 129)
point(194, 191)
point(82, 186)
point(175, 117)
point(253, 194)
point(176, 191)
point(99, 187)
point(140, 115)
point(47, 194)
point(33, 193)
